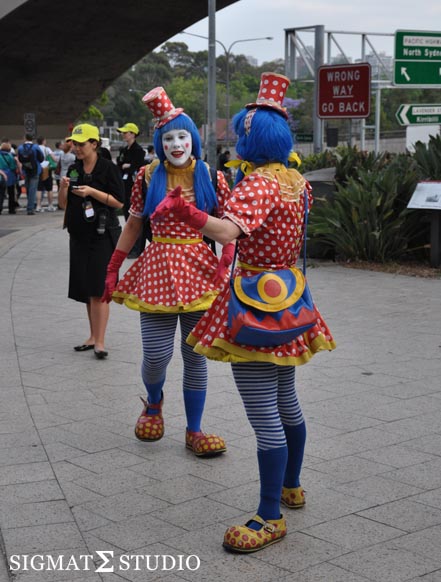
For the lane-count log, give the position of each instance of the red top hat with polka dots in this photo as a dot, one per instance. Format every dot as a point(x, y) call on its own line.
point(272, 92)
point(161, 106)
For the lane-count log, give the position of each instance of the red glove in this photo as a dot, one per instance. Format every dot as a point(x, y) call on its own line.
point(116, 260)
point(224, 263)
point(185, 211)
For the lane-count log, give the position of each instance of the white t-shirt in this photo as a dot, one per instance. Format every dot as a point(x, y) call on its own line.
point(66, 160)
point(46, 152)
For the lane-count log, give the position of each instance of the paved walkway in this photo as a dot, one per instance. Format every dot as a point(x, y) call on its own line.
point(74, 480)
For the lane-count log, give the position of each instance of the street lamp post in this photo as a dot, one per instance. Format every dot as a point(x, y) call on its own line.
point(227, 77)
point(227, 52)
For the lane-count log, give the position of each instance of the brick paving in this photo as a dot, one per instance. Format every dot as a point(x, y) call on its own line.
point(74, 480)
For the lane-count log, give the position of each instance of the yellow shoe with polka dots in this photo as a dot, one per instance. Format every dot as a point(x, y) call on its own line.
point(293, 497)
point(204, 445)
point(150, 425)
point(243, 539)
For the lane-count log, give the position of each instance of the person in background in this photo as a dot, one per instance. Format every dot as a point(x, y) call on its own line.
point(57, 154)
point(104, 150)
point(265, 215)
point(91, 193)
point(223, 159)
point(3, 182)
point(150, 155)
point(130, 159)
point(8, 165)
point(67, 157)
point(20, 176)
point(30, 157)
point(45, 182)
point(176, 278)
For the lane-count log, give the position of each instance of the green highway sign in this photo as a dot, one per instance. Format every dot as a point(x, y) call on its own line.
point(304, 137)
point(417, 58)
point(417, 74)
point(426, 114)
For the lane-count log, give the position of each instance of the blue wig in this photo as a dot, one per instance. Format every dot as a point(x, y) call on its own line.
point(203, 188)
point(269, 139)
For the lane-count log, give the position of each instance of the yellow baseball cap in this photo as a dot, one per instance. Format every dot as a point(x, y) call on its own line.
point(83, 132)
point(129, 127)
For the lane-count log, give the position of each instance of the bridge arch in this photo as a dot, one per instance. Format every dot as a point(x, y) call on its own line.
point(57, 57)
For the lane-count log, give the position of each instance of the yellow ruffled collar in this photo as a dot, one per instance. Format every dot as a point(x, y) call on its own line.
point(174, 170)
point(249, 167)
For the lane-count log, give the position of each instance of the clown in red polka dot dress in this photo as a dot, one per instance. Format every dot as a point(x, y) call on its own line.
point(177, 277)
point(176, 271)
point(265, 215)
point(268, 207)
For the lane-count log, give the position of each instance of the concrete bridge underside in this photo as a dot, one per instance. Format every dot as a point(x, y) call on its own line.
point(57, 57)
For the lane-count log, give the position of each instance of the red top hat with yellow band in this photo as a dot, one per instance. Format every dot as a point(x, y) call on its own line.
point(272, 92)
point(161, 106)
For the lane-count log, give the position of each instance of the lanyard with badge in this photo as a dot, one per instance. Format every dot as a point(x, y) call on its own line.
point(88, 210)
point(75, 182)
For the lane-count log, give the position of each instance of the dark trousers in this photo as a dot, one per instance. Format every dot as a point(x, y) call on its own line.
point(2, 192)
point(11, 199)
point(11, 196)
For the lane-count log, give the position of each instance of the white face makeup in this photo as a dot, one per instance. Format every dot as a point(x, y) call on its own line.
point(177, 146)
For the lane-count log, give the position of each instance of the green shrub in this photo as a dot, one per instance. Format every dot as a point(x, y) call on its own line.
point(350, 161)
point(428, 158)
point(367, 218)
point(312, 162)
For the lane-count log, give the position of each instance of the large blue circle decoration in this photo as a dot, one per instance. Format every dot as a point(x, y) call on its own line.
point(272, 289)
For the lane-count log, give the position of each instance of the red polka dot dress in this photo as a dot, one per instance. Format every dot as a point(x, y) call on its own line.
point(176, 270)
point(268, 206)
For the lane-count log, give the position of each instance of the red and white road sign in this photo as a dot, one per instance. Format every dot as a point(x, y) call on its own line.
point(344, 91)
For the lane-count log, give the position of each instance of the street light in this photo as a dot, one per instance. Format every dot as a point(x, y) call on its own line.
point(227, 52)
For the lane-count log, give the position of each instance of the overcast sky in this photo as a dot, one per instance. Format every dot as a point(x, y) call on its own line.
point(261, 18)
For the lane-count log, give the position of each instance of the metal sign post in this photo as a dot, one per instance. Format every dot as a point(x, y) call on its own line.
point(211, 145)
point(319, 53)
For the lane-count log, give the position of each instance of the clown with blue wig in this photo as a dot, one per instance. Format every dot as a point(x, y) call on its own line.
point(265, 215)
point(177, 277)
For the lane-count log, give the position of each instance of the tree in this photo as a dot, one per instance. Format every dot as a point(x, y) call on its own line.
point(191, 95)
point(184, 74)
point(151, 71)
point(302, 93)
point(277, 66)
point(93, 113)
point(199, 64)
point(177, 54)
point(125, 94)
